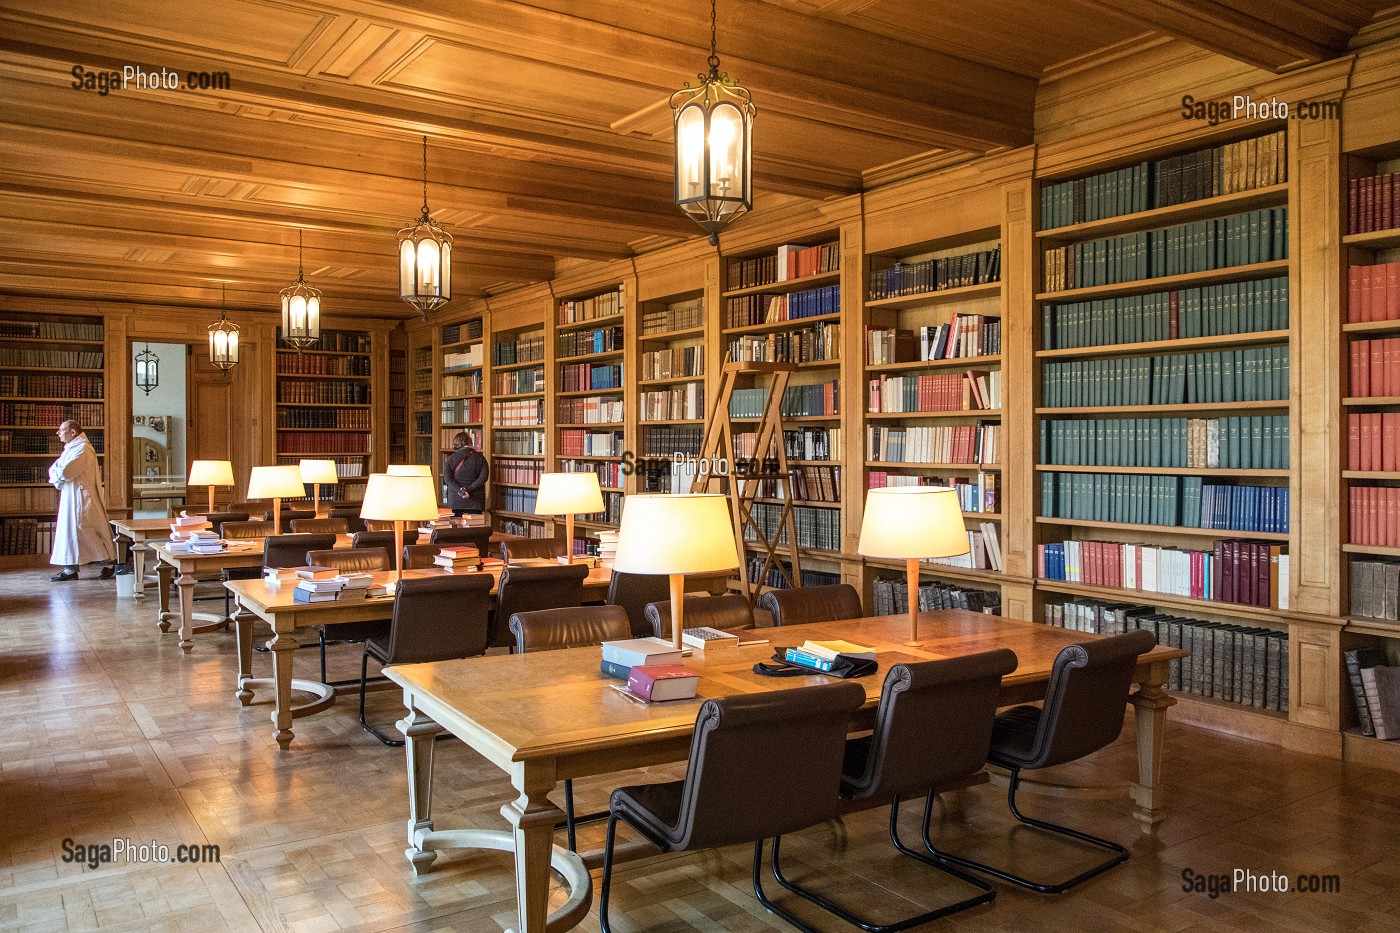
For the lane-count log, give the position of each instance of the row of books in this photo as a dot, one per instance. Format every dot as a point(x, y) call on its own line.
point(981, 495)
point(575, 442)
point(808, 443)
point(25, 442)
point(672, 362)
point(776, 578)
point(515, 499)
point(963, 443)
point(787, 263)
point(1199, 246)
point(461, 386)
point(460, 411)
point(1248, 573)
point(447, 437)
point(301, 364)
point(814, 483)
point(612, 509)
point(584, 342)
point(751, 310)
point(423, 420)
point(506, 443)
point(524, 529)
point(807, 345)
point(340, 341)
point(666, 440)
point(349, 419)
point(891, 597)
point(574, 310)
point(1243, 165)
point(817, 528)
point(1256, 374)
point(50, 386)
point(591, 409)
point(1374, 515)
point(518, 381)
point(51, 359)
point(1375, 367)
point(1240, 664)
point(578, 377)
point(1375, 686)
point(323, 393)
point(679, 403)
point(678, 315)
point(1208, 311)
point(1178, 501)
point(1373, 203)
point(974, 390)
point(12, 473)
point(51, 330)
point(609, 472)
point(801, 401)
point(1373, 441)
point(29, 500)
point(323, 443)
point(981, 267)
point(470, 358)
point(51, 414)
point(517, 412)
point(1258, 442)
point(967, 335)
point(1373, 293)
point(26, 535)
point(462, 330)
point(1375, 588)
point(527, 348)
point(346, 467)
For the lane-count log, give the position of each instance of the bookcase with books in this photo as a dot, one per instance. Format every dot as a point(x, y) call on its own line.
point(398, 398)
point(670, 387)
point(324, 408)
point(1163, 411)
point(518, 426)
point(783, 304)
point(461, 401)
point(933, 385)
point(590, 399)
point(421, 398)
point(52, 368)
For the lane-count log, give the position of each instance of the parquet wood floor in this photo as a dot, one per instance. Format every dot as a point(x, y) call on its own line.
point(109, 732)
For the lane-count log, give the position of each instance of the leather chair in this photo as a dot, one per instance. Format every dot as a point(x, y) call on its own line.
point(729, 613)
point(632, 592)
point(320, 526)
point(803, 604)
point(216, 519)
point(448, 537)
point(419, 556)
point(349, 560)
point(553, 629)
point(1086, 702)
point(933, 728)
point(799, 735)
point(526, 589)
point(239, 528)
point(530, 549)
point(385, 540)
point(290, 550)
point(378, 524)
point(351, 514)
point(245, 530)
point(289, 516)
point(254, 510)
point(435, 619)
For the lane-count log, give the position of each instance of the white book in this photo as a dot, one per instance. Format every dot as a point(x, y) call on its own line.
point(1130, 580)
point(631, 652)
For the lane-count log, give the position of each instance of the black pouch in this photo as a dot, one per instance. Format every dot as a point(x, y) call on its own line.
point(843, 667)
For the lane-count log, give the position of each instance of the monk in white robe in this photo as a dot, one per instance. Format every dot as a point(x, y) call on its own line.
point(82, 534)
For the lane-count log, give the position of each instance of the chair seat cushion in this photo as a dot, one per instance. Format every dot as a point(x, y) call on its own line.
point(358, 631)
point(654, 809)
point(853, 767)
point(378, 648)
point(1013, 736)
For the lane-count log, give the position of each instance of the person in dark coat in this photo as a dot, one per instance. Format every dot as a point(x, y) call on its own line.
point(465, 476)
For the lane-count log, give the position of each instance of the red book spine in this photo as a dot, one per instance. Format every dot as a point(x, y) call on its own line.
point(1353, 526)
point(1353, 442)
point(1387, 199)
point(1375, 361)
point(1369, 518)
point(1354, 274)
point(1387, 293)
point(1353, 204)
point(1392, 517)
point(1390, 439)
point(1358, 368)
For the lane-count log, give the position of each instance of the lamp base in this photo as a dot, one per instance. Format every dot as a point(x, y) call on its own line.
point(912, 644)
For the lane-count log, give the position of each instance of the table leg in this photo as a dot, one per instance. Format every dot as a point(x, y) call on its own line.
point(185, 584)
point(165, 573)
point(1150, 703)
point(284, 649)
point(420, 734)
point(532, 818)
point(138, 567)
point(244, 625)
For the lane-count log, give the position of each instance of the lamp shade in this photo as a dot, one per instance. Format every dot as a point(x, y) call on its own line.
point(275, 482)
point(399, 498)
point(676, 534)
point(903, 522)
point(210, 473)
point(409, 469)
point(569, 494)
point(318, 471)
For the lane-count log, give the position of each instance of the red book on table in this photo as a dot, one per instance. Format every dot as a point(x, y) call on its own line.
point(658, 682)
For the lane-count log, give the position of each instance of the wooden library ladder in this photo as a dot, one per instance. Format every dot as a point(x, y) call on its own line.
point(743, 486)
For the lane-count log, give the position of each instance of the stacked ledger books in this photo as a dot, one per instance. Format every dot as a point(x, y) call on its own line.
point(651, 669)
point(317, 585)
point(462, 558)
point(353, 585)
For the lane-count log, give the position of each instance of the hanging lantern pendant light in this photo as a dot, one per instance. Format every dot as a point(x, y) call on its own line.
point(714, 147)
point(147, 370)
point(301, 310)
point(425, 257)
point(223, 337)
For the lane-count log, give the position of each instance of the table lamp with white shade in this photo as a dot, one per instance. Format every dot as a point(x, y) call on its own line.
point(210, 473)
point(676, 535)
point(399, 499)
point(276, 483)
point(409, 469)
point(912, 523)
point(317, 472)
point(569, 494)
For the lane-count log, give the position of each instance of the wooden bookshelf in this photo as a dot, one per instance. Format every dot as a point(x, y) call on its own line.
point(421, 409)
point(515, 356)
point(398, 397)
point(461, 398)
point(673, 389)
point(325, 408)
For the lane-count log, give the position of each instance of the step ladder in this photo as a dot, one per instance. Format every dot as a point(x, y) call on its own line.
point(745, 477)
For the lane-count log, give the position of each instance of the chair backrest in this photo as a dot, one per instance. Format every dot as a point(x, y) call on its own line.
point(440, 618)
point(385, 540)
point(803, 604)
point(351, 559)
point(632, 592)
point(259, 529)
point(1087, 698)
point(254, 510)
point(216, 519)
point(798, 735)
point(525, 589)
point(577, 627)
point(290, 550)
point(934, 724)
point(351, 514)
point(324, 526)
point(479, 536)
point(419, 556)
point(378, 524)
point(529, 548)
point(729, 613)
point(289, 516)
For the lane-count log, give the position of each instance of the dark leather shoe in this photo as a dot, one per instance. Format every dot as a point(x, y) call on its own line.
point(65, 576)
point(108, 572)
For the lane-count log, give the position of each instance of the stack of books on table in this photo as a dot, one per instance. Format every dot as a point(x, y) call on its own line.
point(276, 576)
point(182, 528)
point(607, 547)
point(460, 558)
point(205, 542)
point(316, 585)
point(428, 527)
point(651, 668)
point(472, 521)
point(822, 655)
point(354, 585)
